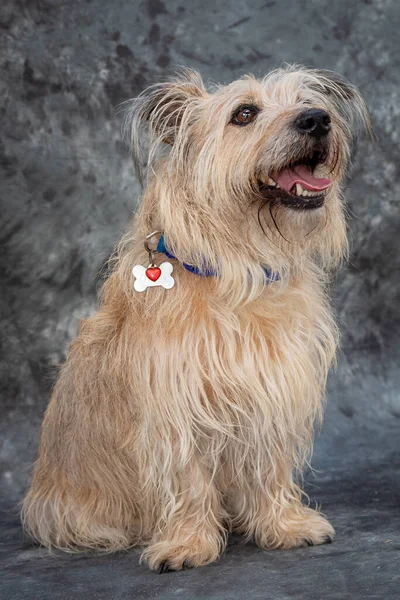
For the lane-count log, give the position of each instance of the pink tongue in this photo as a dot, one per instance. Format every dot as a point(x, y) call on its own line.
point(301, 174)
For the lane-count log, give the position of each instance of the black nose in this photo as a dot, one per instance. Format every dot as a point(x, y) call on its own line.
point(315, 122)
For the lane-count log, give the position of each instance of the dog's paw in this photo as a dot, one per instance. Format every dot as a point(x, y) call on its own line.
point(163, 557)
point(309, 529)
point(297, 528)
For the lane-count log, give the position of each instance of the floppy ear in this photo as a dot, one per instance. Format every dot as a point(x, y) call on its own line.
point(347, 99)
point(163, 110)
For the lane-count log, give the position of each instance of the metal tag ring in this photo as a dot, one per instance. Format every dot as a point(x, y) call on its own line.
point(147, 247)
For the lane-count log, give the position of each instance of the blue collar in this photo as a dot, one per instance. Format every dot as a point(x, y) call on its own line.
point(206, 272)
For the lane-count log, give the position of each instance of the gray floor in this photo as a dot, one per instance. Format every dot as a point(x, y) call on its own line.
point(67, 192)
point(359, 490)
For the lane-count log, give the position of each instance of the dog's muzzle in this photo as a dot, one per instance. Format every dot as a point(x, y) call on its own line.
point(298, 184)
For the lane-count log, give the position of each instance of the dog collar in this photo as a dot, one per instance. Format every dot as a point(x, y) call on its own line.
point(205, 271)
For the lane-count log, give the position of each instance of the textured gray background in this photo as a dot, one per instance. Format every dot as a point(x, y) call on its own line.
point(67, 192)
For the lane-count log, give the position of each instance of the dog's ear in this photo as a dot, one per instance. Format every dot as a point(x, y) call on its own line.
point(347, 100)
point(164, 105)
point(163, 110)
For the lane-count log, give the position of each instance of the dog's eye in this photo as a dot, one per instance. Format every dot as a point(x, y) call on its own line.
point(244, 115)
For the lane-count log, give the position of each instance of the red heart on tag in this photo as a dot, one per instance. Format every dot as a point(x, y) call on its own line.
point(153, 273)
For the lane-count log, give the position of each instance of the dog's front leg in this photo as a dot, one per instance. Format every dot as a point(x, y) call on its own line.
point(190, 530)
point(270, 511)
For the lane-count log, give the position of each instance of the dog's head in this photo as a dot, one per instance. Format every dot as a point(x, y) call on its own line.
point(256, 165)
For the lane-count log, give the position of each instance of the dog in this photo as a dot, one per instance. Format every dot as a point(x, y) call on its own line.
point(187, 405)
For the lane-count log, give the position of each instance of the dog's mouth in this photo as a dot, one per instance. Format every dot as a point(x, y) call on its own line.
point(297, 186)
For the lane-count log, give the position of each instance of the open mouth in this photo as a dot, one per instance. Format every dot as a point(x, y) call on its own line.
point(296, 186)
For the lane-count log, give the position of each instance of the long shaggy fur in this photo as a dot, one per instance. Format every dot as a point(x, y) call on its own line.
point(182, 414)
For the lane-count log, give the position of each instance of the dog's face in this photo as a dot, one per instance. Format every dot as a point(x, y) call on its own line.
point(289, 134)
point(267, 156)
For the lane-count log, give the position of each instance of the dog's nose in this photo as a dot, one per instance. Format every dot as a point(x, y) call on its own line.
point(314, 121)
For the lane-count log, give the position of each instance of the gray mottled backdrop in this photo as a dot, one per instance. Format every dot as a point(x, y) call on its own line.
point(68, 191)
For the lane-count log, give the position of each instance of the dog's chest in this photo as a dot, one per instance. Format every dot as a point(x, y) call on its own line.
point(271, 358)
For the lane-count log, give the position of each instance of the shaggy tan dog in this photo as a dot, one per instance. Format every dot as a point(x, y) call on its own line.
point(184, 413)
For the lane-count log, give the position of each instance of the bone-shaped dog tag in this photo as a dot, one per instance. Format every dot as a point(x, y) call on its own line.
point(153, 276)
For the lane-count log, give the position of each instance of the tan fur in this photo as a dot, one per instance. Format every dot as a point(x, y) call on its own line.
point(181, 414)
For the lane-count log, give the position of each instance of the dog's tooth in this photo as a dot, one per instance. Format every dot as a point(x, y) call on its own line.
point(278, 186)
point(299, 189)
point(271, 182)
